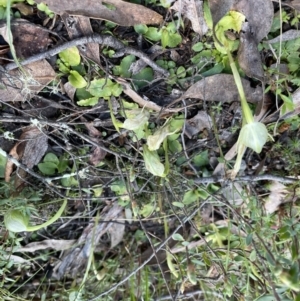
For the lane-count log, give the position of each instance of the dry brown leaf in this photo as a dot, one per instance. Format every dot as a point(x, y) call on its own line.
point(54, 244)
point(28, 38)
point(259, 14)
point(276, 197)
point(116, 232)
point(17, 259)
point(75, 260)
point(139, 100)
point(233, 194)
point(193, 10)
point(248, 55)
point(25, 9)
point(295, 4)
point(19, 87)
point(197, 124)
point(30, 150)
point(9, 165)
point(289, 35)
point(70, 90)
point(296, 102)
point(117, 11)
point(35, 148)
point(98, 153)
point(78, 27)
point(222, 88)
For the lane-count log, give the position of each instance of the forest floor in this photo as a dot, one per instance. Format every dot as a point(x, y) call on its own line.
point(149, 150)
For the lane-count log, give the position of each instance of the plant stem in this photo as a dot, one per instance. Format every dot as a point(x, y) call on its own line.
point(247, 114)
point(51, 220)
point(10, 37)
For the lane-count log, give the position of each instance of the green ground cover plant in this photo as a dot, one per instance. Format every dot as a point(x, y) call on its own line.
point(148, 185)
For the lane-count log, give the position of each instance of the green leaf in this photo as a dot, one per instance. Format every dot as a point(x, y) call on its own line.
point(249, 239)
point(154, 141)
point(171, 27)
point(143, 78)
point(177, 237)
point(181, 72)
point(3, 161)
point(139, 134)
point(129, 105)
point(83, 94)
point(76, 80)
point(190, 197)
point(101, 87)
point(167, 162)
point(63, 164)
point(137, 118)
point(104, 87)
point(164, 38)
point(50, 157)
point(141, 28)
point(152, 162)
point(176, 123)
point(207, 15)
point(174, 146)
point(252, 255)
point(153, 34)
point(88, 102)
point(178, 204)
point(125, 65)
point(147, 210)
point(201, 159)
point(170, 39)
point(288, 104)
point(70, 56)
point(117, 124)
point(117, 90)
point(119, 188)
point(174, 40)
point(203, 194)
point(62, 67)
point(43, 7)
point(3, 3)
point(198, 47)
point(47, 168)
point(69, 181)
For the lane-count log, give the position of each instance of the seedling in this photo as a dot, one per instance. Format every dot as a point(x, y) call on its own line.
point(167, 34)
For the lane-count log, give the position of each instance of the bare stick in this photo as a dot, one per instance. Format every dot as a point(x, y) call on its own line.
point(95, 38)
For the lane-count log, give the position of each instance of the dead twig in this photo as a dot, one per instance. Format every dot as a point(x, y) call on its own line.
point(95, 38)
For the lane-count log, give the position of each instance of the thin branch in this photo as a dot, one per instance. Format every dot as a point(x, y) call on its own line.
point(266, 177)
point(95, 38)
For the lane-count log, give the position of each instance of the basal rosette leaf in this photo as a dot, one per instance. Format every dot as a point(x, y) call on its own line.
point(152, 162)
point(104, 88)
point(154, 141)
point(76, 80)
point(253, 135)
point(70, 56)
point(136, 120)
